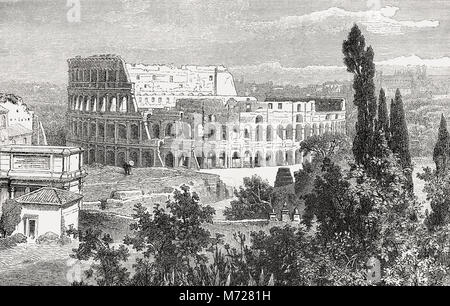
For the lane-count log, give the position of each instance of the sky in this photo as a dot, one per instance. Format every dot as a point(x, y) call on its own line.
point(289, 41)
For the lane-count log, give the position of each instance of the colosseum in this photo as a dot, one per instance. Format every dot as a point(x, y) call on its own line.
point(188, 116)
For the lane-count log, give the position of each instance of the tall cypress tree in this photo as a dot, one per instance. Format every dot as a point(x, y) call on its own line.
point(383, 119)
point(399, 140)
point(441, 154)
point(359, 61)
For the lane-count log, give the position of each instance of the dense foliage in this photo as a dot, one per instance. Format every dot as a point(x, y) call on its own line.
point(254, 200)
point(11, 217)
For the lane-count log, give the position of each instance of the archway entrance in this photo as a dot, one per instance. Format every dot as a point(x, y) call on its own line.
point(168, 160)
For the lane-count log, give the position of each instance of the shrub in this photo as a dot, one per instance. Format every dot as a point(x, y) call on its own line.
point(19, 238)
point(48, 238)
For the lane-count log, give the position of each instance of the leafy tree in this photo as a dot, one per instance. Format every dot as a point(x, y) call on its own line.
point(437, 189)
point(354, 205)
point(441, 153)
point(304, 178)
point(422, 256)
point(359, 61)
point(107, 269)
point(383, 115)
point(326, 145)
point(173, 241)
point(11, 216)
point(399, 139)
point(254, 200)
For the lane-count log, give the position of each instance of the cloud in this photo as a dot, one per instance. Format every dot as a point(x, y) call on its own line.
point(414, 60)
point(336, 19)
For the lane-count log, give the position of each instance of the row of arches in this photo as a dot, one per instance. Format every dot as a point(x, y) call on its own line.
point(112, 130)
point(94, 75)
point(259, 132)
point(235, 159)
point(105, 103)
point(111, 157)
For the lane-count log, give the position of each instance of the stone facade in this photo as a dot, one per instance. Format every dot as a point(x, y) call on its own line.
point(199, 129)
point(27, 168)
point(16, 121)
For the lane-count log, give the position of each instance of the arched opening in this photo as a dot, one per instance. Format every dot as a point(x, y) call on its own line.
point(134, 129)
point(134, 156)
point(185, 130)
point(170, 130)
point(259, 159)
point(101, 157)
point(211, 160)
point(102, 106)
point(307, 131)
point(298, 132)
point(259, 119)
point(110, 160)
point(298, 157)
point(289, 157)
point(101, 129)
point(147, 158)
point(210, 132)
point(247, 133)
point(85, 129)
point(156, 131)
point(279, 158)
point(183, 160)
point(86, 104)
point(259, 133)
point(299, 118)
point(224, 132)
point(122, 131)
point(236, 160)
point(235, 133)
point(121, 159)
point(315, 129)
point(79, 129)
point(112, 104)
point(111, 130)
point(269, 159)
point(222, 160)
point(289, 132)
point(92, 130)
point(169, 160)
point(269, 134)
point(92, 156)
point(123, 105)
point(85, 157)
point(280, 132)
point(247, 162)
point(93, 107)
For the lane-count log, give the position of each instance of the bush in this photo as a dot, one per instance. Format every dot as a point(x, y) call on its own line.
point(64, 240)
point(48, 238)
point(19, 238)
point(7, 243)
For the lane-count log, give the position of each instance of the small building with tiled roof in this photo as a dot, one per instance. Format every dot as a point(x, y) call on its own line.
point(48, 210)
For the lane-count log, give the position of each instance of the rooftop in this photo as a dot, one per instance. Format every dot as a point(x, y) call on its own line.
point(40, 149)
point(49, 196)
point(17, 129)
